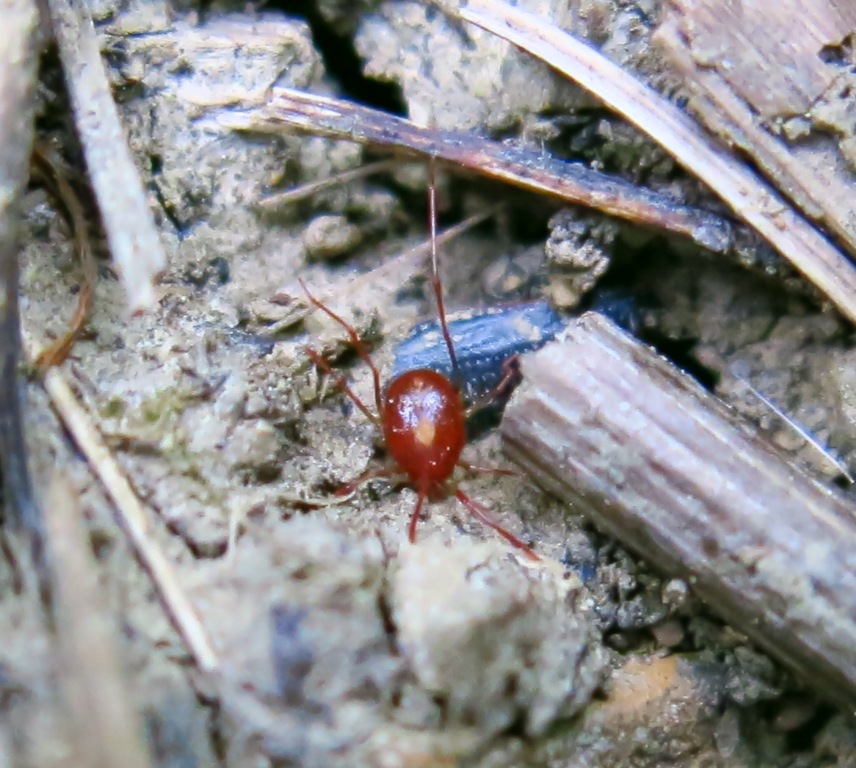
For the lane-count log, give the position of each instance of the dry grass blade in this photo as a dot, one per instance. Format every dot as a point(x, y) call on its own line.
point(823, 453)
point(106, 730)
point(18, 61)
point(572, 182)
point(132, 517)
point(59, 350)
point(747, 195)
point(306, 191)
point(401, 267)
point(135, 247)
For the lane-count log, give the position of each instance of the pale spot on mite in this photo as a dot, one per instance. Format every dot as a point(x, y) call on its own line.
point(425, 432)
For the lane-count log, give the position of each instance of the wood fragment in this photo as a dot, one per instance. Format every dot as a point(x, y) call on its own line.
point(286, 108)
point(18, 59)
point(746, 194)
point(606, 424)
point(132, 517)
point(771, 60)
point(728, 99)
point(106, 731)
point(135, 246)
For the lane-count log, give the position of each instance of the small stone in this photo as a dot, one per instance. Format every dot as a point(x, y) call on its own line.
point(328, 237)
point(794, 713)
point(675, 593)
point(669, 633)
point(796, 128)
point(726, 735)
point(256, 404)
point(254, 445)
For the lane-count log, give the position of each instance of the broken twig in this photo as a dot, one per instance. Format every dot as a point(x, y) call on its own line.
point(286, 108)
point(132, 517)
point(608, 425)
point(748, 196)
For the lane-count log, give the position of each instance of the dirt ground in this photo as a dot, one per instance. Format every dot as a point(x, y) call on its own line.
point(340, 644)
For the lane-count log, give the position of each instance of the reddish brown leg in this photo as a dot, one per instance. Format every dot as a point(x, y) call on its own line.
point(481, 513)
point(370, 474)
point(342, 384)
point(357, 343)
point(415, 516)
point(435, 273)
point(510, 377)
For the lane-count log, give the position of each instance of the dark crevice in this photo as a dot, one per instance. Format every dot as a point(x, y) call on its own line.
point(168, 212)
point(342, 61)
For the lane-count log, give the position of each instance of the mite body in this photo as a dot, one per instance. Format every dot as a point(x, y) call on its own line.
point(424, 425)
point(421, 414)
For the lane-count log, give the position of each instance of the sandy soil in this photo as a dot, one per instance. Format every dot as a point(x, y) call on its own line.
point(342, 645)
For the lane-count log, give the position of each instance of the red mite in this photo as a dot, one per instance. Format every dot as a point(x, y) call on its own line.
point(421, 415)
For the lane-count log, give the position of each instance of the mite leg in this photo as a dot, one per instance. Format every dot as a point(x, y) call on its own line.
point(510, 378)
point(375, 473)
point(341, 384)
point(435, 274)
point(358, 345)
point(416, 515)
point(482, 513)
